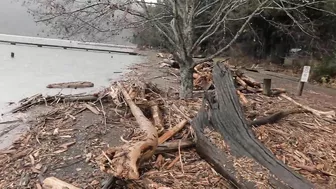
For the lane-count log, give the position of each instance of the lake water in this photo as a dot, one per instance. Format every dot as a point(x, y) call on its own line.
point(33, 68)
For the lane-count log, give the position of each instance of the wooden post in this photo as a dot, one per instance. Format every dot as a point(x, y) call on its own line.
point(267, 87)
point(303, 80)
point(12, 54)
point(300, 88)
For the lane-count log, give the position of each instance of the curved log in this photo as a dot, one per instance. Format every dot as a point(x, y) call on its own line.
point(225, 140)
point(124, 161)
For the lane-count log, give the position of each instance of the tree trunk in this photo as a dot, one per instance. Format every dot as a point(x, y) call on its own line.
point(225, 140)
point(187, 86)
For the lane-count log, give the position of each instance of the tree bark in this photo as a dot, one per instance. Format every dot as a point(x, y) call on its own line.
point(236, 153)
point(187, 85)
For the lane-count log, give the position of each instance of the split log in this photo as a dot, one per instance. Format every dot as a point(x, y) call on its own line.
point(241, 82)
point(329, 114)
point(124, 161)
point(275, 117)
point(250, 81)
point(54, 183)
point(236, 154)
point(242, 98)
point(74, 85)
point(157, 117)
point(171, 132)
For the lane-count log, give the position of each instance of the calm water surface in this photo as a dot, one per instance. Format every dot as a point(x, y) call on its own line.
point(33, 68)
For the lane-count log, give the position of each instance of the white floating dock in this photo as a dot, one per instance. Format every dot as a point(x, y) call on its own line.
point(65, 44)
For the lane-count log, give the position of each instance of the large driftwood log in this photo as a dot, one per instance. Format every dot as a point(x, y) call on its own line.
point(225, 140)
point(124, 161)
point(74, 85)
point(275, 117)
point(329, 114)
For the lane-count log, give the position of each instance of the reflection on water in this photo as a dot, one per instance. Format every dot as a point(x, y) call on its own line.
point(33, 68)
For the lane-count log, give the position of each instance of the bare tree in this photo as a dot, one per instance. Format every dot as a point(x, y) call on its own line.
point(177, 21)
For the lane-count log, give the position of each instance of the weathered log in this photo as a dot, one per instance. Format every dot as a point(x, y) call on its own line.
point(157, 117)
point(171, 132)
point(54, 183)
point(225, 140)
point(275, 117)
point(124, 161)
point(174, 145)
point(250, 81)
point(241, 82)
point(329, 114)
point(74, 85)
point(39, 99)
point(242, 97)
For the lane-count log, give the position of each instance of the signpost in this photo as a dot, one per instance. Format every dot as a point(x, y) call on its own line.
point(304, 79)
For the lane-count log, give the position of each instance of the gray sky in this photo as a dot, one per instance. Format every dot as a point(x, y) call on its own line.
point(15, 20)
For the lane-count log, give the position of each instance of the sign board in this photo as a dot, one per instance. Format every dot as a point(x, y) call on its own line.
point(305, 74)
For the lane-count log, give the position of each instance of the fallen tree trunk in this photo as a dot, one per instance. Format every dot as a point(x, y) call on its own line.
point(124, 161)
point(329, 114)
point(74, 85)
point(225, 140)
point(275, 117)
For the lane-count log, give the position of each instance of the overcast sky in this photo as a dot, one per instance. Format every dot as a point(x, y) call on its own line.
point(14, 19)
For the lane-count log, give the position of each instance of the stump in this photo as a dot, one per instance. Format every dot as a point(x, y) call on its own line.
point(227, 143)
point(267, 87)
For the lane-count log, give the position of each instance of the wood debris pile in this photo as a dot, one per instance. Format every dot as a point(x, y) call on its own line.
point(155, 146)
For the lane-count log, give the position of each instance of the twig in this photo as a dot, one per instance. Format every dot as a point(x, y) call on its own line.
point(173, 162)
point(108, 159)
point(180, 156)
point(12, 121)
point(185, 116)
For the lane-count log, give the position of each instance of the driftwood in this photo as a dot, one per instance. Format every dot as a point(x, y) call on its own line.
point(242, 98)
point(171, 132)
point(275, 117)
point(237, 154)
point(74, 85)
point(174, 145)
point(157, 117)
point(124, 161)
point(54, 183)
point(329, 114)
point(39, 99)
point(250, 81)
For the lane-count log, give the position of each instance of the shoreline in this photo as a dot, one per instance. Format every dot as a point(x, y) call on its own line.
point(65, 142)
